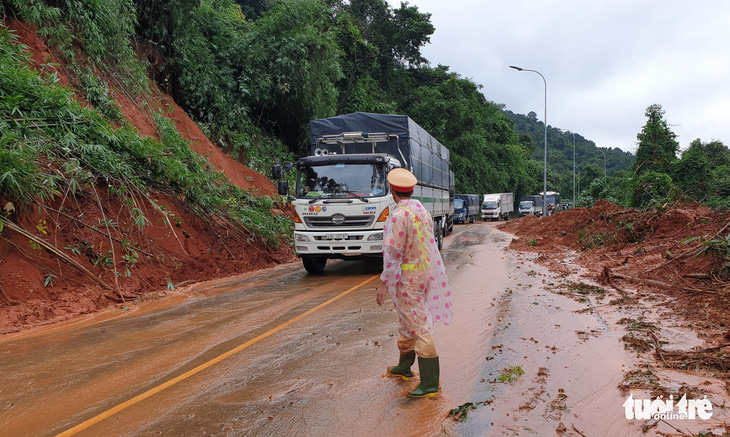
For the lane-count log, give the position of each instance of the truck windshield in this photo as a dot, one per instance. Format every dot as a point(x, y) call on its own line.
point(526, 204)
point(489, 205)
point(341, 180)
point(458, 203)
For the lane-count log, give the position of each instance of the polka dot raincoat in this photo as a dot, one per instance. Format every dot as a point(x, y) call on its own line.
point(413, 270)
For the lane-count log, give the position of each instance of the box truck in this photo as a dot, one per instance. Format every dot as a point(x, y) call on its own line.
point(535, 205)
point(467, 207)
point(342, 198)
point(497, 206)
point(526, 207)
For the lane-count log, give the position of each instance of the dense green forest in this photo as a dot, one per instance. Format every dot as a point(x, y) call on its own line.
point(561, 145)
point(253, 73)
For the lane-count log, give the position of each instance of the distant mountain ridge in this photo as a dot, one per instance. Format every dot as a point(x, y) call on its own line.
point(560, 151)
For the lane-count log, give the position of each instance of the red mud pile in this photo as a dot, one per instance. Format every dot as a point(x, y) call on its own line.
point(655, 251)
point(37, 288)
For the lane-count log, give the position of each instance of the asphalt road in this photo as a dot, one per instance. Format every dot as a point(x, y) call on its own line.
point(281, 353)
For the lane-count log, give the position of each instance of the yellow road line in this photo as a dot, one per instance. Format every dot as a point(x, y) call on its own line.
point(108, 413)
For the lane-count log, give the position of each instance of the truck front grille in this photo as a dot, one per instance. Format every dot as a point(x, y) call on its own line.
point(352, 221)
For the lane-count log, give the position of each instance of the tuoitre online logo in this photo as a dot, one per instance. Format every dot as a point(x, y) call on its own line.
point(644, 409)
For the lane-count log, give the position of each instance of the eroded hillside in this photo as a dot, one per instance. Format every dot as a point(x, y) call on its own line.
point(84, 247)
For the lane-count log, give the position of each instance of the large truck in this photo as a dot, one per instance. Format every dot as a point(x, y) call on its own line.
point(535, 207)
point(525, 207)
point(552, 198)
point(342, 198)
point(497, 206)
point(467, 207)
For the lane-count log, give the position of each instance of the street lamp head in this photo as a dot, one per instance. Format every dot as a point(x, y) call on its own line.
point(544, 163)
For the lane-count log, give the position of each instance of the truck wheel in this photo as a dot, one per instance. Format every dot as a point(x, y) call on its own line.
point(439, 230)
point(314, 265)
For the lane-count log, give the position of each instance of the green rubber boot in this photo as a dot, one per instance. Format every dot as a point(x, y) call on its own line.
point(403, 369)
point(429, 386)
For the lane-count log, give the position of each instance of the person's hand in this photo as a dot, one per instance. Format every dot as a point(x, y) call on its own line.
point(380, 295)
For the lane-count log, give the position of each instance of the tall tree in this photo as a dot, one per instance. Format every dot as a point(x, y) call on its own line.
point(377, 40)
point(716, 152)
point(657, 143)
point(691, 173)
point(290, 67)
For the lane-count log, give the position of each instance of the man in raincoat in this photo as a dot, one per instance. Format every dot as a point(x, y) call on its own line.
point(415, 276)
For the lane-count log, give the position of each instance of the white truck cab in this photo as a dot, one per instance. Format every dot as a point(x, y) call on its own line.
point(342, 198)
point(526, 207)
point(341, 204)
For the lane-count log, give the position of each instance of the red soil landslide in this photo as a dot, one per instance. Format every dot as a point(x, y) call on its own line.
point(38, 288)
point(655, 251)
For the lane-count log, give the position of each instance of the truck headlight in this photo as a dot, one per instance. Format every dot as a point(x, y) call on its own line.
point(301, 238)
point(301, 248)
point(376, 237)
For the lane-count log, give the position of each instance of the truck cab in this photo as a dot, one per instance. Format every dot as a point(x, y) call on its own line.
point(341, 204)
point(342, 198)
point(467, 209)
point(497, 206)
point(459, 211)
point(526, 207)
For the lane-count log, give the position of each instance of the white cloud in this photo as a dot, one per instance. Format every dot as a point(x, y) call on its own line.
point(604, 62)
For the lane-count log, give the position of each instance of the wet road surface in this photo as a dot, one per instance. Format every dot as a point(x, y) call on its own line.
point(282, 352)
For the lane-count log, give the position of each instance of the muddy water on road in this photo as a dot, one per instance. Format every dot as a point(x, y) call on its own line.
point(325, 374)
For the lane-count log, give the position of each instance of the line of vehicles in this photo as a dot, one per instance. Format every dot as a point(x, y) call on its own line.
point(470, 207)
point(341, 195)
point(532, 204)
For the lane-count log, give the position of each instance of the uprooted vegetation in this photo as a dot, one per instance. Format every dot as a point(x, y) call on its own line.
point(677, 257)
point(681, 251)
point(669, 268)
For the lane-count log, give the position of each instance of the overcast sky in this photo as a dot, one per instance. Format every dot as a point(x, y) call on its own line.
point(604, 61)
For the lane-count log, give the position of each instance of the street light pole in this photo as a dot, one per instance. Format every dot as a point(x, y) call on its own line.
point(565, 130)
point(573, 169)
point(544, 163)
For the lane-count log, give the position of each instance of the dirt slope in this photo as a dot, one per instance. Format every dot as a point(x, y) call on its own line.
point(37, 288)
point(648, 250)
point(662, 287)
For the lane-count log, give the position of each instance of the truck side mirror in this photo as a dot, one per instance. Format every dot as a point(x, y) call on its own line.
point(276, 172)
point(283, 187)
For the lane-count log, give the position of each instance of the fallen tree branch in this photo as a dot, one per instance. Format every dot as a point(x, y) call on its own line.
point(696, 275)
point(12, 302)
point(657, 346)
point(576, 430)
point(167, 220)
point(93, 228)
point(654, 282)
point(680, 256)
point(54, 250)
point(722, 230)
point(709, 349)
point(111, 243)
point(608, 275)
